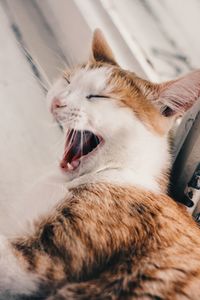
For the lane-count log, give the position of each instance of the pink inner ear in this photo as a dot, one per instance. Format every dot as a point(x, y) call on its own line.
point(179, 95)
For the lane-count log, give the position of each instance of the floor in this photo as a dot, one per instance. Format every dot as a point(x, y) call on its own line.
point(28, 134)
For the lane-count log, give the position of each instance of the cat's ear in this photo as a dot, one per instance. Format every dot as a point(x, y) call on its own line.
point(101, 51)
point(175, 97)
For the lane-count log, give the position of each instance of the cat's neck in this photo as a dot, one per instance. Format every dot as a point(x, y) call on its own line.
point(119, 176)
point(134, 167)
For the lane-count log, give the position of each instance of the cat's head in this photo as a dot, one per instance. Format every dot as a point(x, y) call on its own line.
point(114, 119)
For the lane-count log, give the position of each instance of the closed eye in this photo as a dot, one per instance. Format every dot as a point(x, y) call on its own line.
point(96, 96)
point(67, 79)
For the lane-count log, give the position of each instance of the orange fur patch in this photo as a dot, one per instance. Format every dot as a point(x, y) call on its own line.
point(133, 92)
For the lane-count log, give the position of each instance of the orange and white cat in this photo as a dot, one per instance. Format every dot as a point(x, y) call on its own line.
point(115, 234)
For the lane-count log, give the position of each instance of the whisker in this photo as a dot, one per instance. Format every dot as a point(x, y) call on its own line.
point(73, 136)
point(82, 144)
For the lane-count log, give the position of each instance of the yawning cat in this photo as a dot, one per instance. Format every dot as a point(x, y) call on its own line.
point(116, 234)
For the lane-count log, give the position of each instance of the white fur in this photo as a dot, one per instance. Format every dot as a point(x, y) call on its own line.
point(13, 277)
point(42, 197)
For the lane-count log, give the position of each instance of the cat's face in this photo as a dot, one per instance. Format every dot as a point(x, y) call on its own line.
point(113, 119)
point(97, 125)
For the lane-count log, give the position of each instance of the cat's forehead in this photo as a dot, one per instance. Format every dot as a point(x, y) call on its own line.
point(100, 76)
point(92, 78)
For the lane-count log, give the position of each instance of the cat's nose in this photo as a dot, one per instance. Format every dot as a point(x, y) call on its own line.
point(56, 103)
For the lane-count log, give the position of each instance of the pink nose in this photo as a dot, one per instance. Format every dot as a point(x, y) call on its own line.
point(56, 103)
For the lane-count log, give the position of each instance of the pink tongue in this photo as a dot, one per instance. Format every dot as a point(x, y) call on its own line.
point(63, 164)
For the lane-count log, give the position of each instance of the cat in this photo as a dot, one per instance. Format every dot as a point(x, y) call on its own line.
point(116, 234)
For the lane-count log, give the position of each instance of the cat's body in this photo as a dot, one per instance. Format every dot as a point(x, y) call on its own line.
point(146, 246)
point(115, 234)
point(112, 242)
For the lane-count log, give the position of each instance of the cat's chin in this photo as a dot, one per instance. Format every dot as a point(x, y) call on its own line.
point(80, 146)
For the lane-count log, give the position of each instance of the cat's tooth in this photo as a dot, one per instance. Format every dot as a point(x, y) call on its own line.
point(69, 166)
point(75, 163)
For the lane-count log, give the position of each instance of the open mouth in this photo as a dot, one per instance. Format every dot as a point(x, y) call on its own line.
point(79, 146)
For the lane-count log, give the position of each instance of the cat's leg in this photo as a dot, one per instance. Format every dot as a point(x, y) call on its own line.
point(14, 275)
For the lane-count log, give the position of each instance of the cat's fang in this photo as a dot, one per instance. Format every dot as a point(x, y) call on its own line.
point(70, 167)
point(75, 163)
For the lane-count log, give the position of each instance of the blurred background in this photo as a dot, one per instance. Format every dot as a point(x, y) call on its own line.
point(158, 39)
